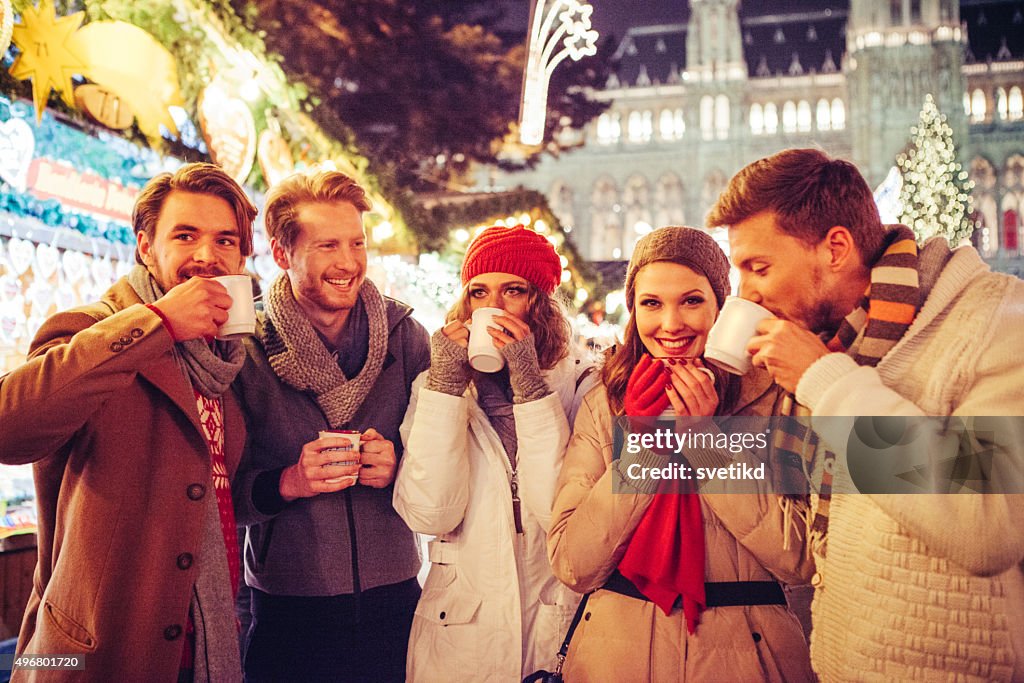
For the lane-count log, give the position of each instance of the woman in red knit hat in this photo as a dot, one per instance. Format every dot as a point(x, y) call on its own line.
point(482, 453)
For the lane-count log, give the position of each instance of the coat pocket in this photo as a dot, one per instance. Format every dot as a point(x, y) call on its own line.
point(67, 628)
point(444, 603)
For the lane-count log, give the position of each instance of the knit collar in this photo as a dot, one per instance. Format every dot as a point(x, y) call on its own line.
point(301, 359)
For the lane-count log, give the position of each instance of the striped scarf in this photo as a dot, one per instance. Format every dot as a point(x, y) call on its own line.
point(888, 308)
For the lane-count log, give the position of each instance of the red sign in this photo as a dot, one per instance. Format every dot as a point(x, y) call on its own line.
point(85, 191)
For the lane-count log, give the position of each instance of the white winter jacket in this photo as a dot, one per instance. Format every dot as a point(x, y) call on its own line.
point(491, 609)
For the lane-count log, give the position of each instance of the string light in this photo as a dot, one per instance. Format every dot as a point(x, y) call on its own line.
point(936, 191)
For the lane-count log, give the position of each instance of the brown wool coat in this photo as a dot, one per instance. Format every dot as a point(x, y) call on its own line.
point(625, 639)
point(122, 470)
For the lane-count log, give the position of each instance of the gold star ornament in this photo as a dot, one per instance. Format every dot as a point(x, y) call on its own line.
point(48, 54)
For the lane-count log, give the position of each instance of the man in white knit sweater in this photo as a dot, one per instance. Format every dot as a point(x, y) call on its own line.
point(909, 586)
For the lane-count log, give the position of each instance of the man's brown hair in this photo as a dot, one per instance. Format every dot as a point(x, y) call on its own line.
point(809, 193)
point(285, 198)
point(200, 178)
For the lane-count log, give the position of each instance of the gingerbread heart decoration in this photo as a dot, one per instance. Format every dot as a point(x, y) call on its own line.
point(102, 271)
point(41, 295)
point(10, 288)
point(229, 130)
point(275, 158)
point(47, 258)
point(75, 265)
point(20, 254)
point(9, 327)
point(17, 142)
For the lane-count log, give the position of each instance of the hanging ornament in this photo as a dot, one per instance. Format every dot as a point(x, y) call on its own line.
point(275, 158)
point(20, 254)
point(17, 144)
point(144, 85)
point(104, 107)
point(6, 25)
point(48, 53)
point(229, 130)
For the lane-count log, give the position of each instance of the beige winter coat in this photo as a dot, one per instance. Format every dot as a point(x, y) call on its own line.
point(626, 639)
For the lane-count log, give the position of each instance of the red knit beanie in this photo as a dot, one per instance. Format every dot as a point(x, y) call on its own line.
point(517, 251)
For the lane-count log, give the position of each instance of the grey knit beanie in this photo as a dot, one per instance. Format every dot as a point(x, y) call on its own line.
point(690, 247)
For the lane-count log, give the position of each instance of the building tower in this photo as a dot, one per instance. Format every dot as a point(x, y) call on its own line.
point(897, 52)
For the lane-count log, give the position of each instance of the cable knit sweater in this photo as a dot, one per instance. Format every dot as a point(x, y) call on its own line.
point(927, 587)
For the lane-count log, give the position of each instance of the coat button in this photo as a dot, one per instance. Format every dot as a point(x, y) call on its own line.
point(195, 491)
point(136, 333)
point(172, 632)
point(443, 614)
point(126, 340)
point(586, 617)
point(116, 347)
point(756, 636)
point(816, 579)
point(184, 560)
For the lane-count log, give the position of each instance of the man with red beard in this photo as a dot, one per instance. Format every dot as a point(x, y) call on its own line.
point(125, 410)
point(331, 564)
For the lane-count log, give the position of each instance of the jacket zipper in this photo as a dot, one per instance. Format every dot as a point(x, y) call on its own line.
point(517, 513)
point(352, 535)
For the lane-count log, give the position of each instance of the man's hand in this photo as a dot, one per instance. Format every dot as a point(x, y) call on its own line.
point(195, 308)
point(378, 458)
point(314, 473)
point(786, 350)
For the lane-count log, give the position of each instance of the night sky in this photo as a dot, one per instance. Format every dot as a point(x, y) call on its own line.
point(610, 17)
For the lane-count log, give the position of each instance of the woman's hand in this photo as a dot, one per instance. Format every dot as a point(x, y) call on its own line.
point(516, 343)
point(449, 360)
point(691, 389)
point(512, 330)
point(645, 391)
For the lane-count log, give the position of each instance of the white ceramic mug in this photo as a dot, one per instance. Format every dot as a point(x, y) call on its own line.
point(345, 456)
point(242, 314)
point(483, 354)
point(736, 325)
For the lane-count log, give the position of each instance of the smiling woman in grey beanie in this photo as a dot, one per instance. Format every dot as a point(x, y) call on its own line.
point(683, 587)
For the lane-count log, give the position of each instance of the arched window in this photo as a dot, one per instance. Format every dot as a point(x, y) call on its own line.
point(679, 122)
point(771, 119)
point(605, 220)
point(665, 125)
point(1002, 105)
point(967, 104)
point(707, 117)
point(722, 117)
point(1011, 224)
point(789, 117)
point(803, 116)
point(824, 115)
point(608, 128)
point(756, 119)
point(838, 114)
point(1015, 104)
point(635, 131)
point(669, 197)
point(986, 213)
point(978, 106)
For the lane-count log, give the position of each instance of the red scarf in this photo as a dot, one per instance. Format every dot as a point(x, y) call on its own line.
point(665, 557)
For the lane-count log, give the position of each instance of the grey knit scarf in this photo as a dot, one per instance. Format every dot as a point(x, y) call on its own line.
point(301, 359)
point(211, 369)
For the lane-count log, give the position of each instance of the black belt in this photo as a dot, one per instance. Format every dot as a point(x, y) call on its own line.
point(718, 593)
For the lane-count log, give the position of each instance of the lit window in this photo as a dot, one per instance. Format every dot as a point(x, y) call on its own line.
point(789, 117)
point(838, 114)
point(665, 126)
point(803, 116)
point(824, 115)
point(771, 119)
point(635, 130)
point(978, 106)
point(756, 119)
point(707, 117)
point(1002, 106)
point(1015, 105)
point(722, 117)
point(679, 120)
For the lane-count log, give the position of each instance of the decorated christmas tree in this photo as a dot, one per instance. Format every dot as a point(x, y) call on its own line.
point(936, 192)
